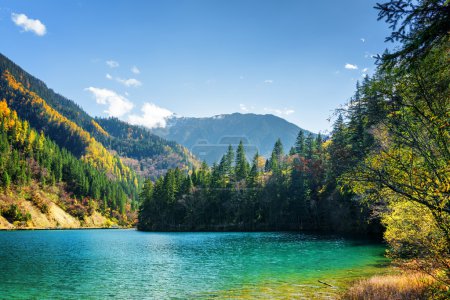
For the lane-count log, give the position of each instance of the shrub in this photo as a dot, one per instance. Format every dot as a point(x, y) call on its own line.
point(40, 202)
point(14, 214)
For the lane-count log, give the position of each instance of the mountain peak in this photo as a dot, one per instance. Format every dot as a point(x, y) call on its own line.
point(203, 135)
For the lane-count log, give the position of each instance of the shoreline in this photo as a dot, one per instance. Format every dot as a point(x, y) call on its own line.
point(64, 228)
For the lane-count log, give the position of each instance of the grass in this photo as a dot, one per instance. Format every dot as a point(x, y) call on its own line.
point(396, 287)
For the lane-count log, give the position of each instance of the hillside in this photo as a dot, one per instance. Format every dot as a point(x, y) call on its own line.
point(43, 185)
point(148, 154)
point(57, 163)
point(260, 131)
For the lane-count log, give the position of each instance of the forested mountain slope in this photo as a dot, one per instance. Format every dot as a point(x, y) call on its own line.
point(56, 158)
point(43, 185)
point(149, 154)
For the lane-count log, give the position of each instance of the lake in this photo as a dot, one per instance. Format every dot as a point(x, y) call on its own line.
point(128, 264)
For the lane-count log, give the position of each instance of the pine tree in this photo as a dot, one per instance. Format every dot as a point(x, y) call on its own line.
point(300, 143)
point(241, 165)
point(147, 191)
point(6, 180)
point(319, 142)
point(228, 162)
point(338, 149)
point(267, 165)
point(187, 185)
point(276, 157)
point(253, 177)
point(309, 146)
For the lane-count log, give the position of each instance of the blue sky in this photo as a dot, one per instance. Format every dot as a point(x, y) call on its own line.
point(143, 60)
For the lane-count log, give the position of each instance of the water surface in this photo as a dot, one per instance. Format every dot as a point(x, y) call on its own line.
point(127, 264)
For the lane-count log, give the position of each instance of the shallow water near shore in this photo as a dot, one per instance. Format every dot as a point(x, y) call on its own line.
point(128, 264)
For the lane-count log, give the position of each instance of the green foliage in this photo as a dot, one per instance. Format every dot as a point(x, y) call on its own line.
point(419, 26)
point(398, 133)
point(408, 171)
point(14, 214)
point(6, 180)
point(242, 166)
point(26, 155)
point(300, 143)
point(72, 128)
point(227, 196)
point(276, 158)
point(263, 131)
point(388, 157)
point(154, 154)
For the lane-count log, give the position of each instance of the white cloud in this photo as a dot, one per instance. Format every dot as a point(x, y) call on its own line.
point(131, 82)
point(243, 107)
point(268, 81)
point(27, 24)
point(351, 67)
point(112, 63)
point(280, 112)
point(117, 105)
point(363, 40)
point(365, 70)
point(135, 70)
point(152, 116)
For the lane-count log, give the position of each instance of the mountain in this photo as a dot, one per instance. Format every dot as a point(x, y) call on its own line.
point(208, 138)
point(148, 154)
point(55, 157)
point(43, 185)
point(61, 118)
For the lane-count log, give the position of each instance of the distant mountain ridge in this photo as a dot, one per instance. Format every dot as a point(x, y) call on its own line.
point(261, 131)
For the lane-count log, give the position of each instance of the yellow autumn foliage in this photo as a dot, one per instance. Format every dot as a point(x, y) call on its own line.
point(94, 153)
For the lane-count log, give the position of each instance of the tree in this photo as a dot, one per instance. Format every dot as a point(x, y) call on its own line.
point(300, 143)
point(419, 26)
point(407, 173)
point(6, 180)
point(338, 149)
point(241, 165)
point(292, 151)
point(309, 146)
point(276, 158)
point(147, 191)
point(254, 175)
point(187, 185)
point(319, 142)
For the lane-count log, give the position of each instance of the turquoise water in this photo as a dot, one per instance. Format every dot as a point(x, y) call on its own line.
point(127, 264)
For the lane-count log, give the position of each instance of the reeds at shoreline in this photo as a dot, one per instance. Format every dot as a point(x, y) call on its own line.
point(394, 287)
